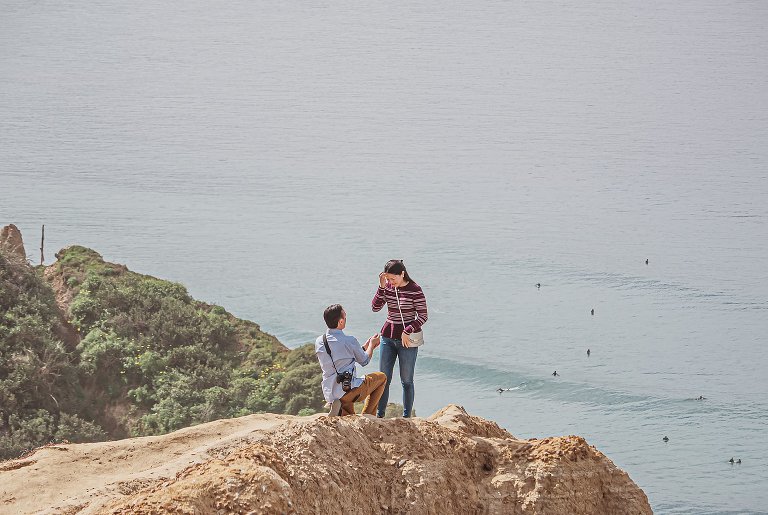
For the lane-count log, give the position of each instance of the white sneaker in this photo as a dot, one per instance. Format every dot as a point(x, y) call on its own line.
point(335, 410)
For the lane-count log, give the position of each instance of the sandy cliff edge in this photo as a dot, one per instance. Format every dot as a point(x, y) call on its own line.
point(450, 462)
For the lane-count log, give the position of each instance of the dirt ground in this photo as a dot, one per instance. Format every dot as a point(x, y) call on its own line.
point(450, 462)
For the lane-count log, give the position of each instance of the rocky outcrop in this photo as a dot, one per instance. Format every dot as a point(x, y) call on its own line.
point(63, 293)
point(11, 243)
point(450, 462)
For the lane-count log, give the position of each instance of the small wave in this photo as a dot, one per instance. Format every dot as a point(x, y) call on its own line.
point(489, 378)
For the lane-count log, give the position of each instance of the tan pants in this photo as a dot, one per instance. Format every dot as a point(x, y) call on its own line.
point(371, 390)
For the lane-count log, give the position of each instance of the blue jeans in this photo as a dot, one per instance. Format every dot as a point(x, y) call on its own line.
point(391, 350)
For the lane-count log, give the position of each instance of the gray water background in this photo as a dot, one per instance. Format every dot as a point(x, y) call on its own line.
point(272, 156)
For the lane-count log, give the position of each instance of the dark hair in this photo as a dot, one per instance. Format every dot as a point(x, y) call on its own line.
point(332, 315)
point(396, 267)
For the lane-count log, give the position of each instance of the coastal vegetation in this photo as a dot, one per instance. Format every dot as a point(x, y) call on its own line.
point(91, 351)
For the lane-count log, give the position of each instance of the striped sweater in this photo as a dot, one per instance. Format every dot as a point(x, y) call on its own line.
point(413, 304)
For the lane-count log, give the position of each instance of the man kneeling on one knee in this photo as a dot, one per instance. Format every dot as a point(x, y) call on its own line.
point(345, 351)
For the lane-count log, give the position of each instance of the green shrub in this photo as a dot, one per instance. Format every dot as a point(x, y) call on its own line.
point(147, 348)
point(73, 429)
point(26, 432)
point(297, 403)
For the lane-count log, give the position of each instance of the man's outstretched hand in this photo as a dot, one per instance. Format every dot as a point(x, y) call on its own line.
point(373, 342)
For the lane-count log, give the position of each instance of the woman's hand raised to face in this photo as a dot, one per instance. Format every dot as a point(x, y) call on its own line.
point(383, 279)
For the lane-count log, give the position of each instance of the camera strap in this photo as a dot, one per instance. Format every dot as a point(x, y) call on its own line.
point(328, 350)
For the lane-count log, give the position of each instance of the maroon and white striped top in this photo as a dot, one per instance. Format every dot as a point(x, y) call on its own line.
point(413, 304)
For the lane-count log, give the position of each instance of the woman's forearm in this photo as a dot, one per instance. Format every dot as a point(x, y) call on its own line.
point(379, 300)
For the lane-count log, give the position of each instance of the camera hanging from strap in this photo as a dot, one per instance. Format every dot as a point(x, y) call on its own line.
point(344, 378)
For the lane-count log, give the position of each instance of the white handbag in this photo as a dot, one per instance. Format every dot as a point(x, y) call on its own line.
point(414, 339)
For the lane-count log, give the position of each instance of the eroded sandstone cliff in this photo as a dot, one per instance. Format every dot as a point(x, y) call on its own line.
point(450, 462)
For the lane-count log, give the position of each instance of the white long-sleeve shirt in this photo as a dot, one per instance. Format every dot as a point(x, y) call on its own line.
point(346, 351)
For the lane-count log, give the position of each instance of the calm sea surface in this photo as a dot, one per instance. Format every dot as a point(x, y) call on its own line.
point(273, 156)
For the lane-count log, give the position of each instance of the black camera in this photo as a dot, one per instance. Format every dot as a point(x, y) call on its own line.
point(345, 378)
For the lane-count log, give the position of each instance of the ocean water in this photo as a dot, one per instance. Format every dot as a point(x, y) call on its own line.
point(272, 157)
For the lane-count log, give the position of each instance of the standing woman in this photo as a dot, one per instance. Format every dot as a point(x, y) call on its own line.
point(406, 313)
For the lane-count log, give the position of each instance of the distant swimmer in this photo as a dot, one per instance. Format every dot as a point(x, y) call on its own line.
point(593, 311)
point(538, 285)
point(738, 462)
point(501, 390)
point(731, 461)
point(666, 438)
point(646, 261)
point(701, 398)
point(588, 352)
point(555, 373)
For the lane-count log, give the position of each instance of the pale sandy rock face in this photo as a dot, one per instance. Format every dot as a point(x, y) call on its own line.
point(63, 294)
point(449, 463)
point(11, 242)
